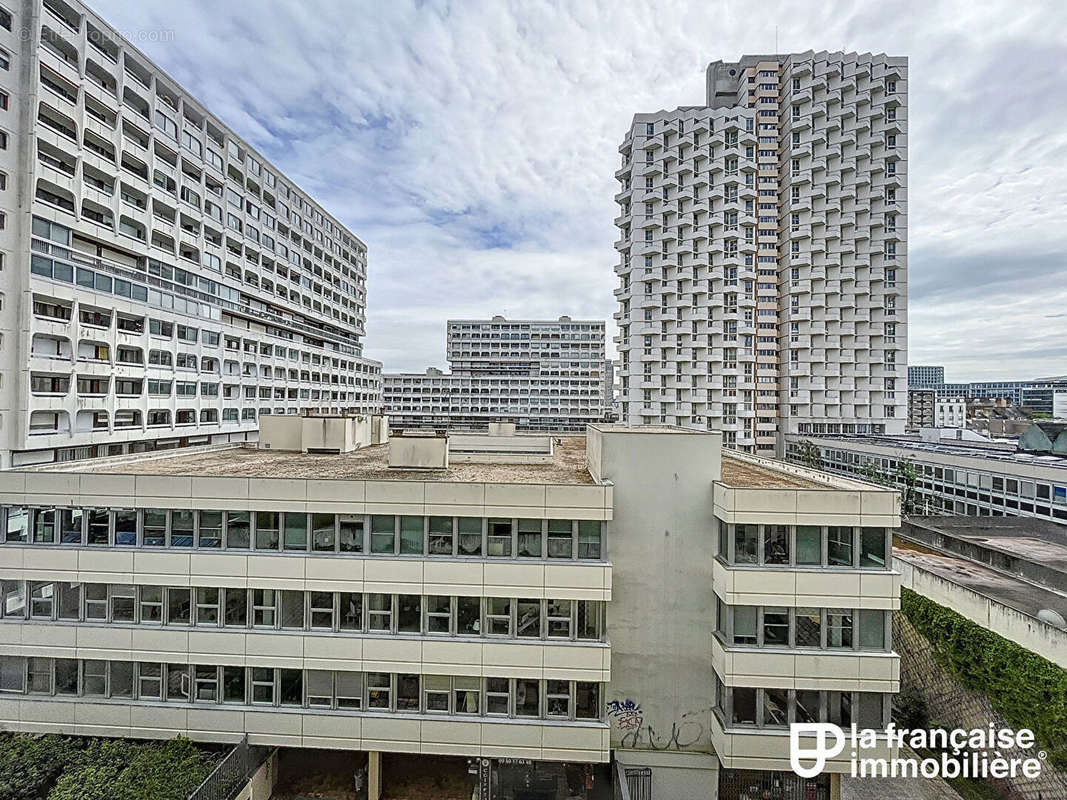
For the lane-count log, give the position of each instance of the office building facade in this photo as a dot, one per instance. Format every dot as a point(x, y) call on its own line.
point(763, 252)
point(509, 609)
point(163, 283)
point(968, 478)
point(543, 375)
point(925, 377)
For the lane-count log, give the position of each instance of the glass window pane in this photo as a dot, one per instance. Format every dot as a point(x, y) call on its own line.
point(560, 538)
point(181, 528)
point(210, 532)
point(809, 628)
point(839, 708)
point(467, 692)
point(872, 629)
point(468, 616)
point(411, 535)
point(296, 531)
point(154, 531)
point(775, 708)
point(587, 700)
point(809, 545)
point(440, 536)
point(528, 621)
point(870, 711)
point(498, 540)
point(382, 533)
point(470, 536)
point(409, 619)
point(267, 531)
point(323, 536)
point(746, 544)
point(350, 533)
point(839, 628)
point(179, 605)
point(745, 624)
point(872, 548)
point(775, 544)
point(237, 530)
point(527, 694)
point(529, 538)
point(807, 705)
point(776, 627)
point(126, 527)
point(839, 546)
point(121, 678)
point(237, 607)
point(744, 705)
point(589, 539)
point(351, 611)
point(292, 611)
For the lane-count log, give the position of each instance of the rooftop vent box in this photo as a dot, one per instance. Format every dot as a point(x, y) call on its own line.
point(418, 451)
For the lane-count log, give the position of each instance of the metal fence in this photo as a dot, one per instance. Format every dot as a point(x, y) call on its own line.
point(631, 783)
point(232, 773)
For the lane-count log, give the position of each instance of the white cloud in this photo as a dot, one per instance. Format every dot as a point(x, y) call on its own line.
point(436, 131)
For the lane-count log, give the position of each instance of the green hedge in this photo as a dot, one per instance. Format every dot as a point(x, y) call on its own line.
point(68, 768)
point(31, 764)
point(1030, 691)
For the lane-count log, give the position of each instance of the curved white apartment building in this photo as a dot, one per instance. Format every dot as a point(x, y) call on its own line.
point(635, 594)
point(162, 283)
point(763, 239)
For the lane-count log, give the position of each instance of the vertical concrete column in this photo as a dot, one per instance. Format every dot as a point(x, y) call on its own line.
point(835, 786)
point(374, 775)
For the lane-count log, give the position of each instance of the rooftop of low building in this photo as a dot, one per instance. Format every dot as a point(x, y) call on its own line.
point(367, 463)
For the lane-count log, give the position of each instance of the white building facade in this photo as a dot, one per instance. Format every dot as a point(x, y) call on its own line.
point(950, 412)
point(763, 252)
point(500, 608)
point(543, 375)
point(163, 284)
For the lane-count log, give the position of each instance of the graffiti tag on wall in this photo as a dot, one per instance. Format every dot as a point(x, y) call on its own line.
point(683, 733)
point(627, 714)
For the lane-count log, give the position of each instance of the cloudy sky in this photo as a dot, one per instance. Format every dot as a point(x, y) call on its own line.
point(473, 145)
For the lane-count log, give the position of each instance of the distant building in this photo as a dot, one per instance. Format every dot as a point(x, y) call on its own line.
point(543, 375)
point(921, 408)
point(969, 477)
point(925, 377)
point(950, 412)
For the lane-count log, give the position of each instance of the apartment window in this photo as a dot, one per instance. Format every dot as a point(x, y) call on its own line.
point(497, 696)
point(411, 535)
point(150, 681)
point(262, 686)
point(470, 536)
point(589, 539)
point(383, 533)
point(264, 608)
point(527, 698)
point(873, 548)
point(498, 541)
point(839, 628)
point(775, 544)
point(746, 544)
point(296, 531)
point(438, 614)
point(379, 690)
point(379, 612)
point(560, 538)
point(233, 685)
point(839, 546)
point(441, 537)
point(238, 530)
point(529, 538)
point(267, 530)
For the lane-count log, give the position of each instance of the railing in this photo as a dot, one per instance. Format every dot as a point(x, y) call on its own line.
point(631, 783)
point(232, 773)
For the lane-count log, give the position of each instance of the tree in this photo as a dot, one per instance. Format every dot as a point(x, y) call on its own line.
point(809, 454)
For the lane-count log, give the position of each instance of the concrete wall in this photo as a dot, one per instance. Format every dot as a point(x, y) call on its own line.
point(1020, 628)
point(261, 785)
point(662, 543)
point(418, 452)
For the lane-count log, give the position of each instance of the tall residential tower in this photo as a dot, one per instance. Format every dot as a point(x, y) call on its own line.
point(763, 242)
point(162, 283)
